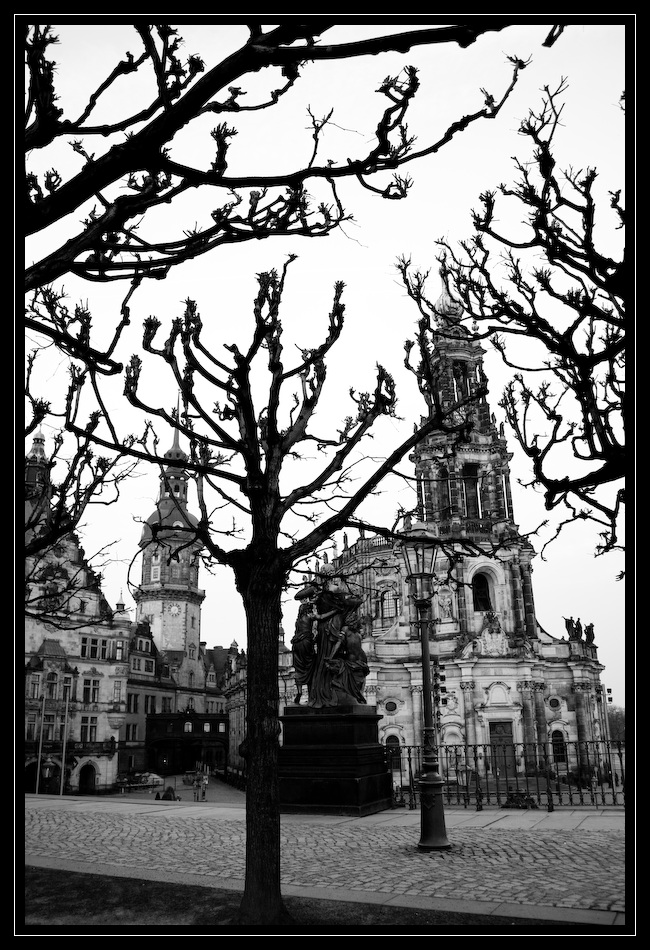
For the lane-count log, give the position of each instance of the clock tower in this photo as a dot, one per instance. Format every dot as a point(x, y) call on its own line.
point(168, 597)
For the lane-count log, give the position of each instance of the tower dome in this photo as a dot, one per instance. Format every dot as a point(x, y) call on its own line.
point(171, 508)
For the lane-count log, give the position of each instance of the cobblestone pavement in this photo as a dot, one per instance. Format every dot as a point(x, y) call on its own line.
point(533, 861)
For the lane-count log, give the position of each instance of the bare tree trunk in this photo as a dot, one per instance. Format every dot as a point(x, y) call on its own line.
point(262, 903)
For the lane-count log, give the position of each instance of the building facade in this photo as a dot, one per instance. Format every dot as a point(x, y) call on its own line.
point(107, 697)
point(76, 657)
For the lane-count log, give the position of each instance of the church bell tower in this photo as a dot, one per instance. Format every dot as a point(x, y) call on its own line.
point(463, 494)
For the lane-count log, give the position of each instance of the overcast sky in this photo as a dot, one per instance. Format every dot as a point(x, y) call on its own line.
point(379, 317)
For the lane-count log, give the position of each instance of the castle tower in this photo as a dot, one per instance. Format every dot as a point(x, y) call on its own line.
point(169, 598)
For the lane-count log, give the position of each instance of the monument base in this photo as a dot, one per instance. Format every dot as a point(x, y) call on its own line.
point(331, 761)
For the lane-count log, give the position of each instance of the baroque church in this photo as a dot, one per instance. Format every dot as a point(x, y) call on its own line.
point(498, 676)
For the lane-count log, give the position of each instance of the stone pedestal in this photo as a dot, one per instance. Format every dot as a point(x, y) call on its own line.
point(331, 761)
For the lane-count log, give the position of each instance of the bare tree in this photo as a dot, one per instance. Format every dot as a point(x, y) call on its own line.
point(572, 311)
point(249, 420)
point(56, 506)
point(243, 441)
point(616, 719)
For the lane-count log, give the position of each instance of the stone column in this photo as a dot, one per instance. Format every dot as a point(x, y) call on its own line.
point(529, 603)
point(517, 597)
point(467, 692)
point(541, 724)
point(527, 689)
point(464, 625)
point(582, 691)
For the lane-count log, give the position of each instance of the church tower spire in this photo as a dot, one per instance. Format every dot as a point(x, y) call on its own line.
point(463, 477)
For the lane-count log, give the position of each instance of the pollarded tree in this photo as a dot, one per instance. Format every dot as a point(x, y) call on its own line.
point(249, 419)
point(571, 309)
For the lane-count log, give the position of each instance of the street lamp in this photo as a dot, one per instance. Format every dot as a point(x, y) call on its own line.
point(48, 769)
point(419, 560)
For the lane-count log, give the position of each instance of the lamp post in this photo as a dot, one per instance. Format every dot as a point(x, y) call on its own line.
point(40, 745)
point(419, 560)
point(48, 770)
point(66, 690)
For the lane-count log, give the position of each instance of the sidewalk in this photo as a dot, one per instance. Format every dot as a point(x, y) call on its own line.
point(562, 866)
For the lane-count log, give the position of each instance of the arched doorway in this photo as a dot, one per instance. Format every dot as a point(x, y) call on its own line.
point(87, 779)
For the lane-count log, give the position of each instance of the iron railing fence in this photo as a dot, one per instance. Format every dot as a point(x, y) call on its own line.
point(518, 775)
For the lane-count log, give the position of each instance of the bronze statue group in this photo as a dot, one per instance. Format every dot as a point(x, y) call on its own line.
point(327, 647)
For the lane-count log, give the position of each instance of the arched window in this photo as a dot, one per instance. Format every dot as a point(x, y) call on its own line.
point(393, 752)
point(461, 385)
point(559, 747)
point(471, 493)
point(191, 679)
point(444, 492)
point(187, 727)
point(481, 592)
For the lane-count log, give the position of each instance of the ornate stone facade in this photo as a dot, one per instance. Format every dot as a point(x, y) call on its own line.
point(504, 675)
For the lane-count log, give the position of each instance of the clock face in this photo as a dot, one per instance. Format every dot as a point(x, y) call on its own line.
point(175, 610)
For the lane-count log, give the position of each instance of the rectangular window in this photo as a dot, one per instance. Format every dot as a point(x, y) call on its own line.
point(89, 729)
point(30, 732)
point(84, 647)
point(48, 728)
point(119, 650)
point(34, 687)
point(150, 704)
point(131, 731)
point(94, 645)
point(137, 665)
point(148, 666)
point(67, 687)
point(155, 574)
point(117, 691)
point(166, 704)
point(103, 650)
point(87, 691)
point(83, 732)
point(95, 691)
